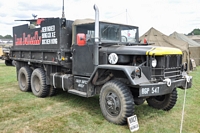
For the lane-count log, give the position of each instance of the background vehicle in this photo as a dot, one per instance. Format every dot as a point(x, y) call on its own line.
point(4, 55)
point(1, 52)
point(88, 58)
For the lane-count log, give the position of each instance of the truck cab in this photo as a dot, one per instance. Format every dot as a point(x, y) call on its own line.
point(111, 34)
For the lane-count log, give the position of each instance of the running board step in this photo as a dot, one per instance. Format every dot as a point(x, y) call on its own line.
point(76, 92)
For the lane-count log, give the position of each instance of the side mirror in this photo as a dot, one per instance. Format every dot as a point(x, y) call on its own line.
point(81, 39)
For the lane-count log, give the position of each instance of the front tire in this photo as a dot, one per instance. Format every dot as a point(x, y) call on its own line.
point(164, 102)
point(24, 78)
point(38, 83)
point(116, 102)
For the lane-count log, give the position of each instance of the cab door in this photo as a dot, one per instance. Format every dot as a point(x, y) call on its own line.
point(82, 61)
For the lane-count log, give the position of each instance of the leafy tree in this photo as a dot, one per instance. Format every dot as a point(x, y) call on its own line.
point(195, 32)
point(1, 36)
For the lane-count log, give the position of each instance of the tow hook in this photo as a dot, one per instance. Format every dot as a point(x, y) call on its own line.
point(188, 78)
point(168, 81)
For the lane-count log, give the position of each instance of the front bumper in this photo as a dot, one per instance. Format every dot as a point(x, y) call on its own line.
point(161, 88)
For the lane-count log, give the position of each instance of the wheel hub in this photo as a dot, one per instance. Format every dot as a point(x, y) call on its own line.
point(23, 80)
point(112, 104)
point(37, 84)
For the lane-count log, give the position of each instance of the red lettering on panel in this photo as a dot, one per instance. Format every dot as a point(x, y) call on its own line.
point(28, 39)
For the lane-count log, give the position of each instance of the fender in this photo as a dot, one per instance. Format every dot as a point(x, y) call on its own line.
point(127, 70)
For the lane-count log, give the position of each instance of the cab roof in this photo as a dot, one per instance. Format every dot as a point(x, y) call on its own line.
point(90, 21)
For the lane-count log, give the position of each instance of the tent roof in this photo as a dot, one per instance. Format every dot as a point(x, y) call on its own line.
point(195, 37)
point(160, 39)
point(185, 38)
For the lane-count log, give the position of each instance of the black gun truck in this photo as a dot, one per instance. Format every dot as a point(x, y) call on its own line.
point(91, 57)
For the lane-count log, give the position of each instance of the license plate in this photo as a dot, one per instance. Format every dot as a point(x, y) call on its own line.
point(133, 123)
point(150, 90)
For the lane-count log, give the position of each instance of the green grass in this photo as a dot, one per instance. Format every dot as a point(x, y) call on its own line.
point(23, 112)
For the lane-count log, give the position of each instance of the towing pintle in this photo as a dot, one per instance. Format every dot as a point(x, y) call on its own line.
point(96, 33)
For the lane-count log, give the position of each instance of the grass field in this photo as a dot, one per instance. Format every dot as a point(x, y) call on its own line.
point(23, 112)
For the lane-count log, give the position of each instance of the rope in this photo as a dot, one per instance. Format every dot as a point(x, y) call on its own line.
point(116, 15)
point(183, 110)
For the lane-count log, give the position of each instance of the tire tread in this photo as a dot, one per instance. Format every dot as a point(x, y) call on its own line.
point(166, 105)
point(127, 97)
point(44, 89)
point(27, 72)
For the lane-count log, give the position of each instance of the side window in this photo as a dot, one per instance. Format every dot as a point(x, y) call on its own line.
point(81, 29)
point(90, 33)
point(87, 29)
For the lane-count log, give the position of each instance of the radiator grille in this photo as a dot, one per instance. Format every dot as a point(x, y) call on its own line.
point(167, 67)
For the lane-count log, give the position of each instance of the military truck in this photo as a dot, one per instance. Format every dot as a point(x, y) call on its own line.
point(91, 57)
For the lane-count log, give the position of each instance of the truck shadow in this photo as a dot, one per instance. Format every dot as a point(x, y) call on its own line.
point(91, 105)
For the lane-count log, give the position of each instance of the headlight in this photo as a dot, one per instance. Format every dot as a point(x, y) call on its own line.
point(154, 62)
point(113, 58)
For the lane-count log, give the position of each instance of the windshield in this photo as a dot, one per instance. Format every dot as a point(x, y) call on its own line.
point(110, 33)
point(118, 33)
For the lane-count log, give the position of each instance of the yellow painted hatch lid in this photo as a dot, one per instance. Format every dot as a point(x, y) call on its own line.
point(163, 51)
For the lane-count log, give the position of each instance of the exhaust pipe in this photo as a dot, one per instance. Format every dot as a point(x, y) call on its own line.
point(96, 34)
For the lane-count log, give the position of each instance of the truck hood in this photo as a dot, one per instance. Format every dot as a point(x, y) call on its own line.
point(141, 50)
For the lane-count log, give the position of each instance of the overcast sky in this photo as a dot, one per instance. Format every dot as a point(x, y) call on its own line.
point(166, 16)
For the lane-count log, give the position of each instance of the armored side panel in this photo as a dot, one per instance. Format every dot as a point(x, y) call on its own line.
point(47, 43)
point(83, 60)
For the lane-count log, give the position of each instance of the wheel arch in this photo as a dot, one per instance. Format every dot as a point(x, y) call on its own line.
point(119, 71)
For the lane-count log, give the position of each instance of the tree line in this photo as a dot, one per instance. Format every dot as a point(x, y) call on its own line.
point(195, 32)
point(6, 37)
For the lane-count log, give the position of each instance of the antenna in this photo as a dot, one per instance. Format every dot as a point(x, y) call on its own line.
point(63, 12)
point(126, 17)
point(34, 16)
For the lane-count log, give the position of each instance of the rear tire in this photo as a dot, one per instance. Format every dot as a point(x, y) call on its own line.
point(38, 83)
point(52, 91)
point(164, 102)
point(116, 102)
point(24, 78)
